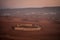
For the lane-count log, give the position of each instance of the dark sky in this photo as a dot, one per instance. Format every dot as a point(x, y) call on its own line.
point(28, 3)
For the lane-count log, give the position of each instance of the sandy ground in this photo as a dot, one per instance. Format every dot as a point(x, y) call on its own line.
point(49, 31)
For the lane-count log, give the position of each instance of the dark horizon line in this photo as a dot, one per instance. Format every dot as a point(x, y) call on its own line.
point(32, 7)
